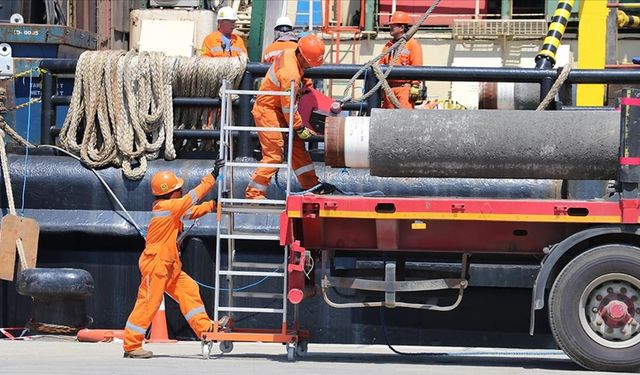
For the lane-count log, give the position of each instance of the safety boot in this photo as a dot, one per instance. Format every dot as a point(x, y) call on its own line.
point(139, 353)
point(324, 188)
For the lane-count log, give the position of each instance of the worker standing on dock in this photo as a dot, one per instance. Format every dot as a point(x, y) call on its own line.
point(273, 111)
point(222, 42)
point(407, 91)
point(160, 263)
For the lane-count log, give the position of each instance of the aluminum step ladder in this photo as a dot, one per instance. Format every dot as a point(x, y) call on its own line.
point(227, 208)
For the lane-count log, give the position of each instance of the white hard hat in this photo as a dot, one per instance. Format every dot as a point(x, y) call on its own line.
point(284, 21)
point(227, 13)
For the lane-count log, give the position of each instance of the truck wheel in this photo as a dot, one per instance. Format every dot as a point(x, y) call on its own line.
point(594, 308)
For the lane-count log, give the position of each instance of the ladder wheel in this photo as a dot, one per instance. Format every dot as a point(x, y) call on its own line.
point(206, 347)
point(301, 348)
point(291, 353)
point(226, 347)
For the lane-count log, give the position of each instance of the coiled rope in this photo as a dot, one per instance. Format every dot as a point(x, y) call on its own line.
point(124, 100)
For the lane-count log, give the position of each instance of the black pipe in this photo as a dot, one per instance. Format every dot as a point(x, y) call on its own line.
point(375, 100)
point(59, 65)
point(199, 134)
point(430, 73)
point(355, 106)
point(244, 115)
point(46, 114)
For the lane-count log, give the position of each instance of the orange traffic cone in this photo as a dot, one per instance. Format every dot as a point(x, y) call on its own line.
point(159, 333)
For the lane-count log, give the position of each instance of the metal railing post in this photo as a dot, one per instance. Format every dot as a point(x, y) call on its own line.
point(244, 115)
point(47, 120)
point(374, 101)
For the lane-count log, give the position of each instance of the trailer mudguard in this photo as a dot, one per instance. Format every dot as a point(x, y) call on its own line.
point(557, 251)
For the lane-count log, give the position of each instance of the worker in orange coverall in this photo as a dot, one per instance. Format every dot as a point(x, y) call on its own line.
point(160, 263)
point(407, 92)
point(222, 42)
point(273, 111)
point(283, 38)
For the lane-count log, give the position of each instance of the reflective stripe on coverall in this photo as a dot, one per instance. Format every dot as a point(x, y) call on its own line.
point(161, 268)
point(275, 49)
point(213, 46)
point(411, 55)
point(273, 111)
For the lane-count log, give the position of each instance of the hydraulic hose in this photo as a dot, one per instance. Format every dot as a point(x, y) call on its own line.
point(546, 58)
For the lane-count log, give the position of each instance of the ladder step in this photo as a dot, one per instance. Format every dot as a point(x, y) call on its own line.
point(256, 165)
point(251, 273)
point(264, 266)
point(257, 295)
point(251, 309)
point(256, 202)
point(251, 210)
point(256, 129)
point(251, 236)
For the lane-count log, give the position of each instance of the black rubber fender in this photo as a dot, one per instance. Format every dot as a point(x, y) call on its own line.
point(62, 283)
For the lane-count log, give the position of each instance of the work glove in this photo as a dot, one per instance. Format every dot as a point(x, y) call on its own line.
point(304, 133)
point(217, 165)
point(414, 93)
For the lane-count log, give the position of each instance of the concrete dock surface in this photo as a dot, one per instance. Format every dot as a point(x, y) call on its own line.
point(62, 355)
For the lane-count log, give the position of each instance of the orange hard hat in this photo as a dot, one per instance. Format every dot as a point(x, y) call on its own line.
point(399, 18)
point(164, 182)
point(312, 49)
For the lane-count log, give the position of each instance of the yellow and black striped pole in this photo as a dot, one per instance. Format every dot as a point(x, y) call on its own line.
point(625, 20)
point(546, 58)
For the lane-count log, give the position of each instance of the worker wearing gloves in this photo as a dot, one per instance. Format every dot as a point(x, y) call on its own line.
point(223, 43)
point(407, 92)
point(273, 111)
point(160, 263)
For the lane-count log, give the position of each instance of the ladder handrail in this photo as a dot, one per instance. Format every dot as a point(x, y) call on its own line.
point(226, 180)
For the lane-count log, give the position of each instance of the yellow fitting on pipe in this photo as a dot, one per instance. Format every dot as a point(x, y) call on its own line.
point(625, 20)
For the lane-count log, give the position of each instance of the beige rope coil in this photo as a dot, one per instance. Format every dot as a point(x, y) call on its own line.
point(210, 72)
point(125, 102)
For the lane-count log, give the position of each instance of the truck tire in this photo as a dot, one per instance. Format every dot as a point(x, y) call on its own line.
point(594, 308)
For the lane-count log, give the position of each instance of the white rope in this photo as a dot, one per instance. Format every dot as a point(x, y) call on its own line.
point(4, 161)
point(124, 100)
point(564, 74)
point(210, 72)
point(12, 206)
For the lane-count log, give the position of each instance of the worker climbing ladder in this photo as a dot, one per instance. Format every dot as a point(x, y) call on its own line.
point(228, 208)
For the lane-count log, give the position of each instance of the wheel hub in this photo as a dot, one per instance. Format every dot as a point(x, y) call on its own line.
point(609, 308)
point(616, 313)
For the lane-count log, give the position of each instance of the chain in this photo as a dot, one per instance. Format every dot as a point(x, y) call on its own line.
point(24, 74)
point(52, 329)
